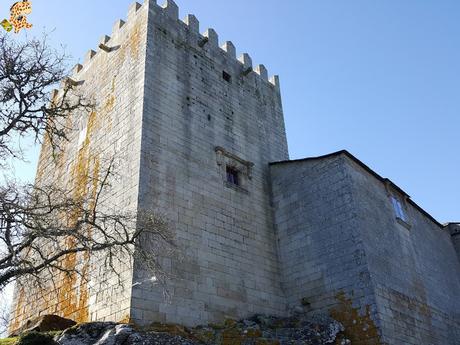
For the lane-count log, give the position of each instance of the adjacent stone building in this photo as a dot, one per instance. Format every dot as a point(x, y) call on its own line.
point(353, 243)
point(202, 142)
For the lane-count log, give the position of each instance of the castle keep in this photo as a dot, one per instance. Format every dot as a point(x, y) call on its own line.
point(202, 142)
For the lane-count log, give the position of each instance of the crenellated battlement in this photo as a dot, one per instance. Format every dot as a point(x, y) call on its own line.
point(169, 9)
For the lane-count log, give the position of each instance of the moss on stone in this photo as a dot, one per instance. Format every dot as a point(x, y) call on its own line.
point(35, 338)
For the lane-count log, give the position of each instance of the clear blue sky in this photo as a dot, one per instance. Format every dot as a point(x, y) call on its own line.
point(379, 78)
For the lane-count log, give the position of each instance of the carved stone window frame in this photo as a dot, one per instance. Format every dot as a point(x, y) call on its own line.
point(244, 168)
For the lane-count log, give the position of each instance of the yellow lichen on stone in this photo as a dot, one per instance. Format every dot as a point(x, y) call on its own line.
point(360, 329)
point(73, 293)
point(232, 336)
point(135, 41)
point(110, 100)
point(169, 328)
point(125, 320)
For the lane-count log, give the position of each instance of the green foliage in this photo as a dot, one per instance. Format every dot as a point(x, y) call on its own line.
point(35, 338)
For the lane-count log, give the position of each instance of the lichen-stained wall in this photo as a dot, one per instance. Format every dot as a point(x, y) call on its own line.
point(414, 267)
point(323, 261)
point(114, 81)
point(225, 233)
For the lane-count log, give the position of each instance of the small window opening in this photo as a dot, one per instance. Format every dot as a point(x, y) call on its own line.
point(399, 209)
point(227, 77)
point(232, 176)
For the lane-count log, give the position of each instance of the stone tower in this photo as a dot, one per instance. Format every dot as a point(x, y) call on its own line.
point(195, 128)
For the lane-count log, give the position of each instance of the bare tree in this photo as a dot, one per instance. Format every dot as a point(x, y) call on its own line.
point(28, 72)
point(39, 226)
point(4, 314)
point(42, 226)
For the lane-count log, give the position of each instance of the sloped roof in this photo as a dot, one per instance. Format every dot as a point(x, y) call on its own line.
point(370, 171)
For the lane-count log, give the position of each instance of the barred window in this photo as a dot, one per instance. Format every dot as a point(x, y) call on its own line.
point(232, 176)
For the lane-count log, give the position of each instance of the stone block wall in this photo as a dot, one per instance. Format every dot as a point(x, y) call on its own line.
point(323, 261)
point(114, 81)
point(413, 263)
point(391, 278)
point(205, 110)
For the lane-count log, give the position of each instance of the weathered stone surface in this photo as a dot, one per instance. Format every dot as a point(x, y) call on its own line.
point(204, 112)
point(116, 334)
point(343, 250)
point(46, 323)
point(258, 330)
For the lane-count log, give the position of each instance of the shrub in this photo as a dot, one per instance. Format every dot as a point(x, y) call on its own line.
point(35, 338)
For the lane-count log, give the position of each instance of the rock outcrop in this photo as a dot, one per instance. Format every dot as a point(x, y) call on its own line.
point(117, 334)
point(258, 330)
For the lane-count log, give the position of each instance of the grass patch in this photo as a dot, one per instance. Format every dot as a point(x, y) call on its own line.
point(8, 341)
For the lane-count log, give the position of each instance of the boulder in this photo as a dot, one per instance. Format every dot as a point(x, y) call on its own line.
point(45, 323)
